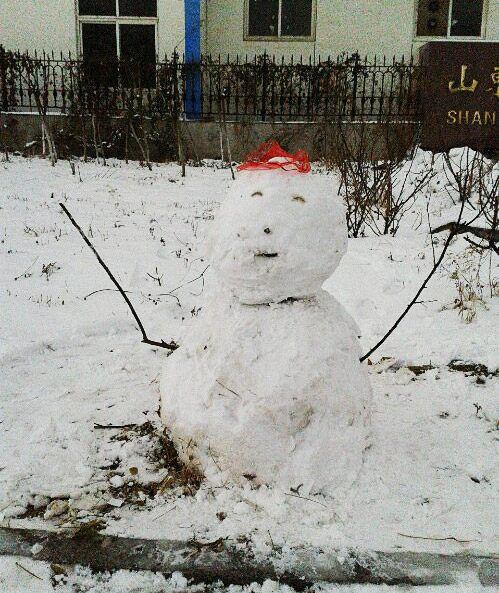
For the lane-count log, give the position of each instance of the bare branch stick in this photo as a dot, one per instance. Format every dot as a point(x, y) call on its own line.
point(101, 426)
point(26, 270)
point(103, 290)
point(182, 285)
point(491, 246)
point(305, 498)
point(430, 229)
point(228, 389)
point(458, 229)
point(436, 265)
point(227, 141)
point(172, 345)
point(441, 539)
point(29, 571)
point(145, 156)
point(149, 296)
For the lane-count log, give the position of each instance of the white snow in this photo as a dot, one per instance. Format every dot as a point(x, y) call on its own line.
point(70, 364)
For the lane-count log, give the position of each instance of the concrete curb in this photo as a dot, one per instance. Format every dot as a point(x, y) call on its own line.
point(234, 564)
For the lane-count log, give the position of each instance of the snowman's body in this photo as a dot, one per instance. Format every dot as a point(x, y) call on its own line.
point(267, 383)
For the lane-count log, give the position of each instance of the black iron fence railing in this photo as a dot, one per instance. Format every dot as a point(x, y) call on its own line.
point(262, 88)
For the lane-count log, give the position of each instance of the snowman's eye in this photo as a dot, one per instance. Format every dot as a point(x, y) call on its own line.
point(256, 193)
point(298, 199)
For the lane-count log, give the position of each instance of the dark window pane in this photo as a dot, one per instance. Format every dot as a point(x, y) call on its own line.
point(262, 18)
point(98, 7)
point(138, 7)
point(99, 41)
point(138, 55)
point(99, 52)
point(433, 18)
point(466, 18)
point(296, 18)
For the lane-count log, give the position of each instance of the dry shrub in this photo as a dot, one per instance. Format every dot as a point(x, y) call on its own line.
point(469, 270)
point(375, 161)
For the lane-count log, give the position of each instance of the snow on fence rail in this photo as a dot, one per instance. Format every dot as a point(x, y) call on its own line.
point(261, 88)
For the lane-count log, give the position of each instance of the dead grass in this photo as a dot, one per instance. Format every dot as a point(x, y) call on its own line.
point(163, 455)
point(187, 477)
point(32, 513)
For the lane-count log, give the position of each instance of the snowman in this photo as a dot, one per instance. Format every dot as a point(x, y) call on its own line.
point(267, 385)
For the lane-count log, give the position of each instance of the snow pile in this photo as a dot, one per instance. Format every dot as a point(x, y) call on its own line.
point(267, 384)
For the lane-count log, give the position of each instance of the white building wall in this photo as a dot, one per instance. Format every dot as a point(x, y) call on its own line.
point(170, 27)
point(493, 20)
point(38, 24)
point(382, 27)
point(51, 25)
point(367, 26)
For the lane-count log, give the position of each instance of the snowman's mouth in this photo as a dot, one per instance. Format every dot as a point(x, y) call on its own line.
point(265, 254)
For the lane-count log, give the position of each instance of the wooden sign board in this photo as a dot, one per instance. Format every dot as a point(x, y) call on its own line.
point(460, 95)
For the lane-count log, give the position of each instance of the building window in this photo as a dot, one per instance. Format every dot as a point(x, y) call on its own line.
point(123, 31)
point(450, 18)
point(280, 19)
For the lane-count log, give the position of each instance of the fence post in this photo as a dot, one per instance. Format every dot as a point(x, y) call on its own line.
point(354, 89)
point(3, 79)
point(175, 90)
point(264, 86)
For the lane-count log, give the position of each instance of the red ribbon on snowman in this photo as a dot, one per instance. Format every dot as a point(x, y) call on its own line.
point(271, 156)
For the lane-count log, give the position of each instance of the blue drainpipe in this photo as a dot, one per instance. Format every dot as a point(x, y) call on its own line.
point(192, 58)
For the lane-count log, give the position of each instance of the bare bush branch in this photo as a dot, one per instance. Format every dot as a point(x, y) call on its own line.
point(169, 346)
point(420, 290)
point(469, 176)
point(378, 180)
point(459, 229)
point(33, 72)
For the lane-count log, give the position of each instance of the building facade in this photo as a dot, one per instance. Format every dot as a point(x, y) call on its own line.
point(331, 27)
point(119, 27)
point(149, 29)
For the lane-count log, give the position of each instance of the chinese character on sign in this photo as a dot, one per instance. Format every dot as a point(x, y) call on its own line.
point(495, 81)
point(462, 87)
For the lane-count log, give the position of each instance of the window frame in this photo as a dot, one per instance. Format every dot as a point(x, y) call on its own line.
point(448, 36)
point(279, 38)
point(117, 21)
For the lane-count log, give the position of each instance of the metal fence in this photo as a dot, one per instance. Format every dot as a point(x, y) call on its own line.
point(262, 88)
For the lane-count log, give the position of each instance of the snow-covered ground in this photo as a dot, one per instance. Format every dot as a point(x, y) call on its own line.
point(72, 363)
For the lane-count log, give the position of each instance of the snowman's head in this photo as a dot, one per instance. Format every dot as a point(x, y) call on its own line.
point(278, 234)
